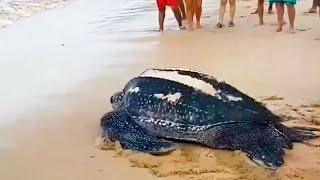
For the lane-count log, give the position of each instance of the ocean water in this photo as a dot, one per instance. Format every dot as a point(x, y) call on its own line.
point(15, 10)
point(55, 50)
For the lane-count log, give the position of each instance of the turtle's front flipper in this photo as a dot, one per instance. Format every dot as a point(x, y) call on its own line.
point(119, 126)
point(261, 142)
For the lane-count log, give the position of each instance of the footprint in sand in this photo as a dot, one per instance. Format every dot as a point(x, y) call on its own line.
point(317, 39)
point(303, 29)
point(308, 13)
point(242, 16)
point(274, 24)
point(272, 98)
point(311, 105)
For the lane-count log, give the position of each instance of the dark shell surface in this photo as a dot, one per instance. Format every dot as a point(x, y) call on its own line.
point(156, 98)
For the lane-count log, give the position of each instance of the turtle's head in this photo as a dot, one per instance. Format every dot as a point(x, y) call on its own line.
point(116, 99)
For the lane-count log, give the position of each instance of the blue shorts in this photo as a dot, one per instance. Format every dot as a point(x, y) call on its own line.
point(285, 1)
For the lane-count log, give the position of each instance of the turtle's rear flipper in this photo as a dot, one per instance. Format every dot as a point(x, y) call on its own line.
point(262, 143)
point(297, 134)
point(119, 126)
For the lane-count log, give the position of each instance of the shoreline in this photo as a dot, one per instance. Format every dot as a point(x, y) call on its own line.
point(12, 11)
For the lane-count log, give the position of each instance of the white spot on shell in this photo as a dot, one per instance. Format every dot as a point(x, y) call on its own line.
point(173, 97)
point(170, 97)
point(134, 90)
point(160, 96)
point(232, 98)
point(229, 97)
point(218, 96)
point(183, 79)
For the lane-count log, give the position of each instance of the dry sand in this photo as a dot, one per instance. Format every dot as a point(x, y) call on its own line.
point(58, 142)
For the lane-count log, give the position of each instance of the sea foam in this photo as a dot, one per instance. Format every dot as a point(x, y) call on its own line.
point(14, 10)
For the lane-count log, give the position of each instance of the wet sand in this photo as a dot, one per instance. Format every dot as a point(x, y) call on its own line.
point(57, 141)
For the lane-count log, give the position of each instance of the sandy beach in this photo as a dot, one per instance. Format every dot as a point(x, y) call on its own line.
point(50, 133)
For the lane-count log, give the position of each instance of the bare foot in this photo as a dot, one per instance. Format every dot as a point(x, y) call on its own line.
point(292, 30)
point(279, 29)
point(190, 27)
point(199, 25)
point(261, 23)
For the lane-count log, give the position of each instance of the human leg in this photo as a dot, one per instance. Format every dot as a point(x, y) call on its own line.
point(232, 11)
point(182, 9)
point(280, 12)
point(198, 6)
point(270, 8)
point(291, 15)
point(190, 13)
point(162, 13)
point(177, 15)
point(260, 11)
point(223, 4)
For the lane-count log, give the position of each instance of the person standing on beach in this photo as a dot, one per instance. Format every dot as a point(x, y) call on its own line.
point(223, 5)
point(162, 12)
point(194, 7)
point(260, 10)
point(182, 9)
point(280, 12)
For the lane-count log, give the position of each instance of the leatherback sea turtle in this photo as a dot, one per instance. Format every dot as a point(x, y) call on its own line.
point(179, 104)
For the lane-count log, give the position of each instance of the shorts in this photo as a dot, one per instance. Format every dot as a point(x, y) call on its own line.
point(163, 3)
point(293, 2)
point(317, 3)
